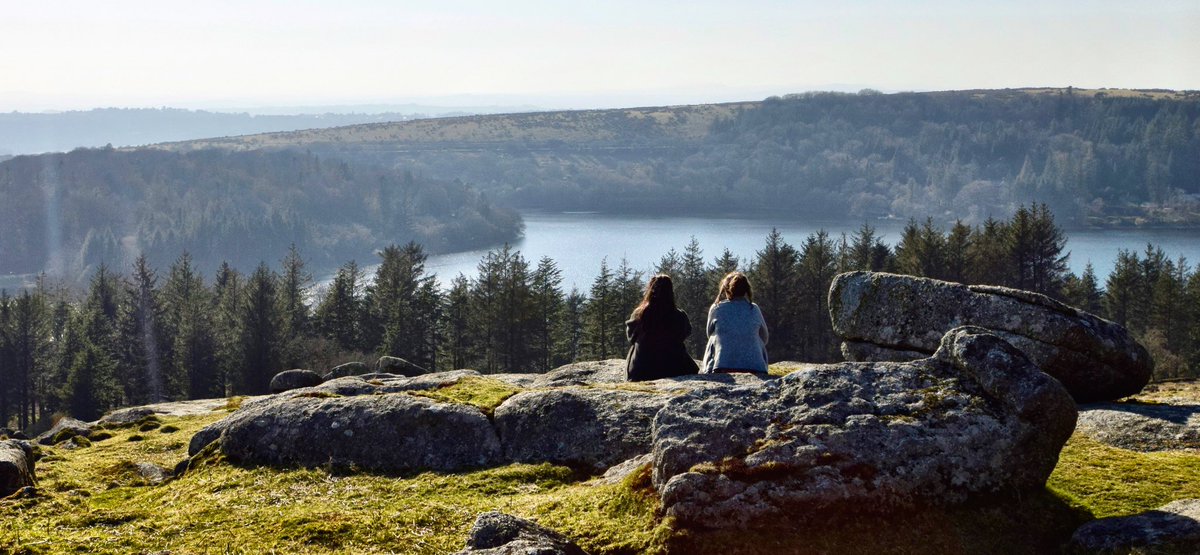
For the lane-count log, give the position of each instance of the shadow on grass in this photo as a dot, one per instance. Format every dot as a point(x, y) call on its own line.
point(1037, 522)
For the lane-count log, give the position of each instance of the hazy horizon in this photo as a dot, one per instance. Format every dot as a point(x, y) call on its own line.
point(261, 54)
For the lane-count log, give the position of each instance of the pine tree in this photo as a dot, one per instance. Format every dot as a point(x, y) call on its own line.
point(228, 306)
point(8, 378)
point(26, 342)
point(958, 260)
point(815, 268)
point(908, 254)
point(601, 316)
point(573, 326)
point(1122, 291)
point(1168, 302)
point(458, 345)
point(339, 315)
point(194, 333)
point(867, 251)
point(774, 280)
point(1084, 292)
point(989, 251)
point(1191, 351)
point(295, 284)
point(260, 332)
point(720, 268)
point(92, 384)
point(547, 307)
point(501, 319)
point(692, 294)
point(402, 307)
point(1048, 264)
point(141, 338)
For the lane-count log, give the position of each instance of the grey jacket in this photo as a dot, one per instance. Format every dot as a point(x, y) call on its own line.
point(737, 337)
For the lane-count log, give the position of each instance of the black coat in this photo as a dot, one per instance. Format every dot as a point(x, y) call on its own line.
point(656, 347)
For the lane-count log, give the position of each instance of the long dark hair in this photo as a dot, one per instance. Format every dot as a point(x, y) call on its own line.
point(659, 297)
point(734, 285)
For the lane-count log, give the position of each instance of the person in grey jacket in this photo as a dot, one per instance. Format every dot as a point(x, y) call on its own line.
point(737, 332)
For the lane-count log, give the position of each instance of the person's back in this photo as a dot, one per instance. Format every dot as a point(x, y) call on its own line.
point(737, 331)
point(656, 331)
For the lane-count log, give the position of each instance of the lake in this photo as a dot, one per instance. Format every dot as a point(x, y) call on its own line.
point(578, 241)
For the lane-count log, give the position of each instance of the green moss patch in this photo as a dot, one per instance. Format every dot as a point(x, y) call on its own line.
point(484, 393)
point(1108, 481)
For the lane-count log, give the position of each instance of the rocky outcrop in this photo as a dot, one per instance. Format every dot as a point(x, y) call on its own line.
point(379, 384)
point(388, 432)
point(1142, 427)
point(347, 369)
point(976, 418)
point(1095, 359)
point(397, 365)
point(65, 429)
point(294, 379)
point(589, 428)
point(496, 533)
point(1171, 529)
point(16, 466)
point(132, 415)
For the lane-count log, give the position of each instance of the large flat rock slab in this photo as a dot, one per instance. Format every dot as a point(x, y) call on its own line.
point(577, 426)
point(976, 418)
point(1142, 426)
point(1171, 529)
point(882, 315)
point(387, 432)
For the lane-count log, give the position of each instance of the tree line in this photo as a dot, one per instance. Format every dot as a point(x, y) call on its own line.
point(138, 337)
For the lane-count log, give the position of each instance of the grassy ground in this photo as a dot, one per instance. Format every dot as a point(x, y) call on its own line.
point(92, 501)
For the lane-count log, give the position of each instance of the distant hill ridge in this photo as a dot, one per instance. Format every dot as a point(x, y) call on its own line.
point(1093, 155)
point(612, 125)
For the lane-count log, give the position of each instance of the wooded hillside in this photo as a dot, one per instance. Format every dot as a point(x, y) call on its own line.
point(1095, 156)
point(64, 213)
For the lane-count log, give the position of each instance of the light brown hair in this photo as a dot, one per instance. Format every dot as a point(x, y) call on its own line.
point(734, 285)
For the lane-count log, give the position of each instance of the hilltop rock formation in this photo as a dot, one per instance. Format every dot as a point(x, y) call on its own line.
point(893, 317)
point(1171, 529)
point(976, 418)
point(16, 466)
point(496, 533)
point(294, 379)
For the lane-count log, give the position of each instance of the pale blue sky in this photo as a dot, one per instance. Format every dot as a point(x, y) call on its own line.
point(69, 54)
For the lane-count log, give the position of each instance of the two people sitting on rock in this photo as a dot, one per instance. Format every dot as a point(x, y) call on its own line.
point(737, 332)
point(656, 331)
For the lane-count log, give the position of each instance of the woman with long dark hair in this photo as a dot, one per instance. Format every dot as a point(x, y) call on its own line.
point(737, 332)
point(656, 331)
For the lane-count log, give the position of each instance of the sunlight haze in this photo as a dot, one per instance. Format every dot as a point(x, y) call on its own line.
point(221, 54)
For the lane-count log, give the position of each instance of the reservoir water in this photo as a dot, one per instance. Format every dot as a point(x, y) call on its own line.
point(578, 241)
